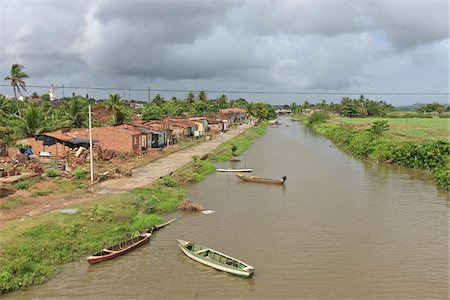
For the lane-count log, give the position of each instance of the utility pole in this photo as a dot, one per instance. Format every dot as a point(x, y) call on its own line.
point(149, 94)
point(90, 145)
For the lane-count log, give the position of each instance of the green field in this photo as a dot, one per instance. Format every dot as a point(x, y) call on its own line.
point(412, 129)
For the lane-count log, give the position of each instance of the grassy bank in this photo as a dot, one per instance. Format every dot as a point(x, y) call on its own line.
point(379, 142)
point(406, 129)
point(31, 249)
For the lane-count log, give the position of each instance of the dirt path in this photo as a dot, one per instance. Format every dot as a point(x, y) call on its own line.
point(142, 176)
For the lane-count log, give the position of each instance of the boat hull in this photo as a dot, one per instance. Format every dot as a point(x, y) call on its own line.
point(260, 179)
point(112, 254)
point(126, 246)
point(216, 265)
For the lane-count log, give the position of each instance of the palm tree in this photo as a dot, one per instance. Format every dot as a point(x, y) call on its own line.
point(75, 110)
point(32, 122)
point(202, 97)
point(190, 99)
point(158, 100)
point(116, 106)
point(222, 101)
point(17, 77)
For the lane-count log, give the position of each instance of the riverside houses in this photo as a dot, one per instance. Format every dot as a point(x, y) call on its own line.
point(157, 133)
point(121, 138)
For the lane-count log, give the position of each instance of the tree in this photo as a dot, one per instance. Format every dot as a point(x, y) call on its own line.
point(222, 102)
point(379, 127)
point(116, 106)
point(17, 77)
point(152, 112)
point(158, 100)
point(75, 110)
point(32, 122)
point(190, 99)
point(202, 97)
point(45, 97)
point(294, 108)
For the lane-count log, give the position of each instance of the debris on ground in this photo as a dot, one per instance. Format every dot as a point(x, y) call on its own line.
point(190, 205)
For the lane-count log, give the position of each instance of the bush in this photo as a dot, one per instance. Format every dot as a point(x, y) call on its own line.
point(51, 173)
point(23, 185)
point(168, 181)
point(317, 118)
point(79, 173)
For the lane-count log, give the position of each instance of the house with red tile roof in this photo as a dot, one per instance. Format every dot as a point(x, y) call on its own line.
point(121, 138)
point(158, 134)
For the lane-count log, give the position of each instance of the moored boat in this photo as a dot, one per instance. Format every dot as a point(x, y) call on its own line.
point(215, 259)
point(125, 246)
point(234, 170)
point(261, 179)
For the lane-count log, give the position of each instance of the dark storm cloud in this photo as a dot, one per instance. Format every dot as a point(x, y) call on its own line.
point(261, 45)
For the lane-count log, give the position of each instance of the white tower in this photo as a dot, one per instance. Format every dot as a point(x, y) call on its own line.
point(52, 93)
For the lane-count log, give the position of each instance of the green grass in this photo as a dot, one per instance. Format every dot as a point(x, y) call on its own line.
point(24, 184)
point(43, 192)
point(64, 186)
point(11, 203)
point(415, 129)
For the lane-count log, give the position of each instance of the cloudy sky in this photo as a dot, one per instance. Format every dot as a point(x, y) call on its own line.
point(302, 46)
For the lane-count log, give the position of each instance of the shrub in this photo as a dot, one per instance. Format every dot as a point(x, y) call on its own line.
point(317, 118)
point(23, 185)
point(168, 181)
point(51, 173)
point(79, 173)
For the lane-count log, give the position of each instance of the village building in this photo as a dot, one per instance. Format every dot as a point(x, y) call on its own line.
point(157, 133)
point(182, 128)
point(202, 125)
point(121, 138)
point(100, 114)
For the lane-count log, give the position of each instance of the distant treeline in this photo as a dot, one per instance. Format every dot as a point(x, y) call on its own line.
point(363, 107)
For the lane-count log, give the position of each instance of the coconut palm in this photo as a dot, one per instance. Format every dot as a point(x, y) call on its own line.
point(17, 77)
point(116, 106)
point(202, 97)
point(32, 122)
point(190, 99)
point(75, 110)
point(158, 100)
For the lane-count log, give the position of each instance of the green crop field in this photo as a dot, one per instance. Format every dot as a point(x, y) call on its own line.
point(415, 129)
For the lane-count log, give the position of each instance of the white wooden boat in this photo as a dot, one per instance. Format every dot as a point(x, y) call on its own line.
point(215, 259)
point(234, 170)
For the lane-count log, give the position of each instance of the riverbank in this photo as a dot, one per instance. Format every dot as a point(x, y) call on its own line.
point(31, 249)
point(373, 142)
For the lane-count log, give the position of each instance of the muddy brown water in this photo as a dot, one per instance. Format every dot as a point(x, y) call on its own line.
point(340, 228)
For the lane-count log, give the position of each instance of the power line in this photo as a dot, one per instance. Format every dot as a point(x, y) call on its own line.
point(237, 91)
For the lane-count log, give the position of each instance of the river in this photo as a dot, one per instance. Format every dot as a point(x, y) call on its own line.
point(340, 228)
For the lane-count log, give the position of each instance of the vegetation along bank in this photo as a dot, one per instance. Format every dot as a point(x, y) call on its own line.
point(31, 249)
point(421, 143)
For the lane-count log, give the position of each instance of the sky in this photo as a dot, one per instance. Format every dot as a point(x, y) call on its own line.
point(309, 48)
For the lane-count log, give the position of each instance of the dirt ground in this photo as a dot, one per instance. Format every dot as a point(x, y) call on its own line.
point(149, 168)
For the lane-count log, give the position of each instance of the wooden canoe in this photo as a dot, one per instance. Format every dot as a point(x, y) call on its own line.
point(234, 170)
point(261, 179)
point(215, 259)
point(125, 246)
